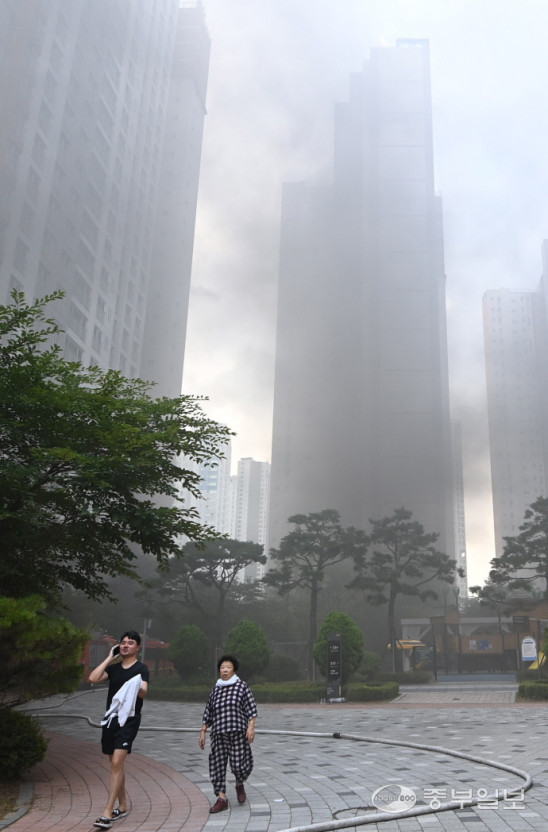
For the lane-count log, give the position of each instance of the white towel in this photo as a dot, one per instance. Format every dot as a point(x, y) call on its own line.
point(123, 702)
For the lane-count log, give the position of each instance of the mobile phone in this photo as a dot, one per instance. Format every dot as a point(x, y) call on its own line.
point(116, 650)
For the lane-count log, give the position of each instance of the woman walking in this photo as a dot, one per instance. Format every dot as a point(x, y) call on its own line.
point(230, 713)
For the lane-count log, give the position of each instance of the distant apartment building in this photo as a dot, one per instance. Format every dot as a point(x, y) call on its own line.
point(516, 359)
point(237, 505)
point(252, 489)
point(361, 399)
point(100, 140)
point(252, 496)
point(216, 490)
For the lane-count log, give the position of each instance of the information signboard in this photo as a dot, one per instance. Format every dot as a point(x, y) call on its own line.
point(528, 649)
point(334, 666)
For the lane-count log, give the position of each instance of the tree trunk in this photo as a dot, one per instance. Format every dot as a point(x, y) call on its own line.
point(219, 636)
point(392, 627)
point(313, 626)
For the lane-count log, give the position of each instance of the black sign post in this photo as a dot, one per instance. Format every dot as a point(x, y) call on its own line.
point(334, 667)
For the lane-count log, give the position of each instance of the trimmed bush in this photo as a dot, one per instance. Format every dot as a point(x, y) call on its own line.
point(181, 693)
point(22, 744)
point(282, 669)
point(270, 693)
point(408, 677)
point(248, 643)
point(372, 693)
point(189, 651)
point(537, 691)
point(288, 692)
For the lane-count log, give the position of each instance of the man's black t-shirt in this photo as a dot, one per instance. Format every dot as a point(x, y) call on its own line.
point(118, 676)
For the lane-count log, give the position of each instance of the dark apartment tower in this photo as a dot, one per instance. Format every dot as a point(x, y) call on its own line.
point(361, 403)
point(101, 113)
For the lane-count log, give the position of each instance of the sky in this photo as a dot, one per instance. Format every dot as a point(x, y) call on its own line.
point(277, 69)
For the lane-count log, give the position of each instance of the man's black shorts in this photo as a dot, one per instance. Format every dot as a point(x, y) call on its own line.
point(119, 736)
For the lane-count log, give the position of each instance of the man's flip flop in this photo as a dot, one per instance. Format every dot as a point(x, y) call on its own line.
point(103, 823)
point(117, 814)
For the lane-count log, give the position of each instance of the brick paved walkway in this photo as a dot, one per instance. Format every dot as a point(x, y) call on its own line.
point(300, 780)
point(70, 791)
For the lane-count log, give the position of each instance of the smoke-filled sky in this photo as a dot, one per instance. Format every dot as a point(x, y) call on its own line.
point(277, 69)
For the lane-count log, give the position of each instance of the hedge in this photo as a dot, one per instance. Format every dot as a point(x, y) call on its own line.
point(285, 692)
point(372, 693)
point(407, 677)
point(533, 690)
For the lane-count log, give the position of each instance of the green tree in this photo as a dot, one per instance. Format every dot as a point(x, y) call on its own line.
point(351, 644)
point(402, 560)
point(523, 565)
point(248, 643)
point(495, 596)
point(215, 566)
point(189, 651)
point(40, 654)
point(88, 461)
point(370, 665)
point(317, 543)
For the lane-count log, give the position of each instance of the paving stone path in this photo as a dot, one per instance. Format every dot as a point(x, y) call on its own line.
point(300, 780)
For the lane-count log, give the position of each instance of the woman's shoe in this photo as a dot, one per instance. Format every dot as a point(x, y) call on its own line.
point(220, 805)
point(240, 792)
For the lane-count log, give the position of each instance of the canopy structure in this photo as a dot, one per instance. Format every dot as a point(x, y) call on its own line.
point(407, 644)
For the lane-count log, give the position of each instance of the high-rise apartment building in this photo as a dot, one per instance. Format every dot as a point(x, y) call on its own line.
point(101, 113)
point(253, 487)
point(215, 506)
point(237, 505)
point(361, 403)
point(516, 357)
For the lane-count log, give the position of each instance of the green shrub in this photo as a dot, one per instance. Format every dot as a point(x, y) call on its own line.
point(181, 693)
point(372, 693)
point(532, 675)
point(282, 669)
point(22, 743)
point(289, 692)
point(369, 667)
point(189, 651)
point(248, 643)
point(533, 690)
point(408, 677)
point(284, 692)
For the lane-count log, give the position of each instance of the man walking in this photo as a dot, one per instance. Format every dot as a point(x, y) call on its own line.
point(128, 685)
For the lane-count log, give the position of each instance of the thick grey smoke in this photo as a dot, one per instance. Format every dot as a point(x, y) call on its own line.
point(277, 69)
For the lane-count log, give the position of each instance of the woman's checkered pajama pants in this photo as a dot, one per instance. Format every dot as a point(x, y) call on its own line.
point(232, 747)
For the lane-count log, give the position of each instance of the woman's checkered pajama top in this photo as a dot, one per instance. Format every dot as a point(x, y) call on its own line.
point(228, 711)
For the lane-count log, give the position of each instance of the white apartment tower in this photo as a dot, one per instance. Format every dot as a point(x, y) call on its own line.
point(237, 505)
point(361, 401)
point(253, 488)
point(216, 489)
point(101, 113)
point(516, 358)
